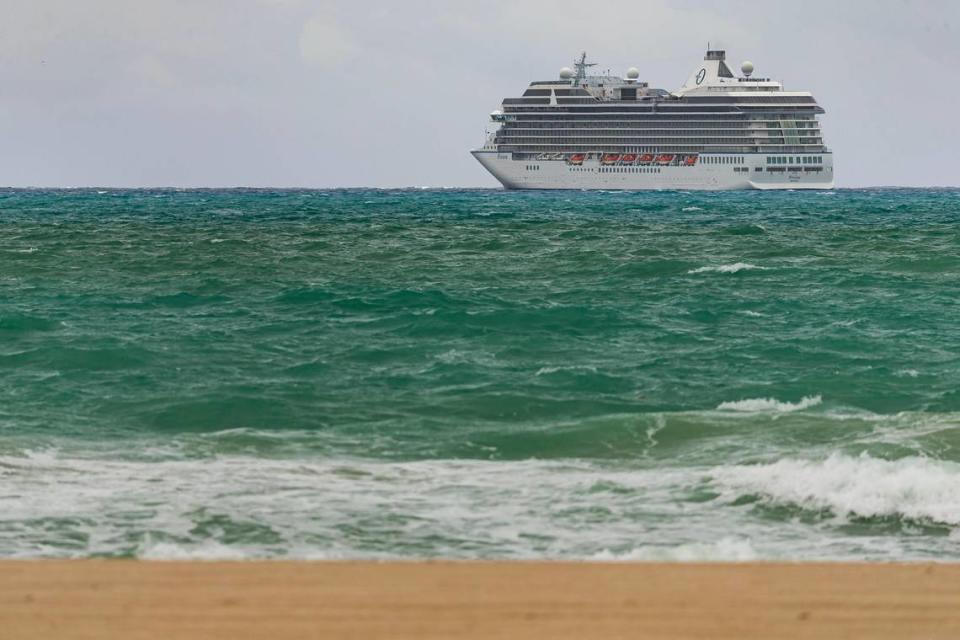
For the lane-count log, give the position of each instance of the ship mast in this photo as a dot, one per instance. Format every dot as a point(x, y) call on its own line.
point(581, 66)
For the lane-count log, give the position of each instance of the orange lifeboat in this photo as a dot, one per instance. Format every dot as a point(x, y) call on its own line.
point(664, 159)
point(577, 158)
point(629, 158)
point(610, 158)
point(645, 158)
point(689, 161)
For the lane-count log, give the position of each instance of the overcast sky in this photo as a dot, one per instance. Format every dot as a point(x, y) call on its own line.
point(328, 93)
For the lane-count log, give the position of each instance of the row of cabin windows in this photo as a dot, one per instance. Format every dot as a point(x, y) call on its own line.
point(794, 159)
point(665, 132)
point(533, 167)
point(524, 138)
point(625, 146)
point(603, 129)
point(723, 160)
point(618, 140)
point(629, 170)
point(522, 152)
point(517, 106)
point(628, 122)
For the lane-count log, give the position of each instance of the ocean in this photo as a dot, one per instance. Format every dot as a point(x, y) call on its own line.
point(480, 374)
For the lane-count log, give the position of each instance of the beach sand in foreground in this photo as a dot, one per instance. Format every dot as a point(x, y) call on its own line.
point(133, 600)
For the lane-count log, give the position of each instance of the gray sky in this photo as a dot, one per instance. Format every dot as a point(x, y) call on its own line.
point(326, 93)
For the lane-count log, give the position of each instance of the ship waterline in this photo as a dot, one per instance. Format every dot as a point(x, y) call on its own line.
point(716, 132)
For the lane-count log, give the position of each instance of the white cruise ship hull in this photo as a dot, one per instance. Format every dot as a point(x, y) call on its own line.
point(752, 173)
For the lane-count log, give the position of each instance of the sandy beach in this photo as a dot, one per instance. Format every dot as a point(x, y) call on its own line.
point(146, 600)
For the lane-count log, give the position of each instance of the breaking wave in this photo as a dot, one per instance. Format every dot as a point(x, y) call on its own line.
point(915, 488)
point(757, 405)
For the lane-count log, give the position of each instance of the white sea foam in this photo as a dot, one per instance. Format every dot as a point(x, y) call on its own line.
point(723, 550)
point(230, 507)
point(175, 500)
point(457, 356)
point(204, 550)
point(692, 209)
point(736, 267)
point(543, 371)
point(914, 488)
point(760, 405)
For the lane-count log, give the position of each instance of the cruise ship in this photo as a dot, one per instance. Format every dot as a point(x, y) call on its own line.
point(719, 131)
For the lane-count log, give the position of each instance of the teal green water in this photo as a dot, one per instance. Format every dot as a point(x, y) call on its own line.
point(480, 374)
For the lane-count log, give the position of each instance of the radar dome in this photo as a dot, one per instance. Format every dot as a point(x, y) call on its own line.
point(747, 68)
point(566, 73)
point(633, 73)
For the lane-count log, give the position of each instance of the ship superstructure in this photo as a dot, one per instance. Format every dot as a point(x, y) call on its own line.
point(717, 131)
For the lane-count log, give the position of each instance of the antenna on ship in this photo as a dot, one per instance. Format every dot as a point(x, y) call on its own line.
point(581, 66)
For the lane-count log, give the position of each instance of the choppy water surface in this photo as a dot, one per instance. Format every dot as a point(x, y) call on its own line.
point(480, 374)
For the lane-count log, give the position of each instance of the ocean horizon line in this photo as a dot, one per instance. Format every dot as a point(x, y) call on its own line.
point(443, 188)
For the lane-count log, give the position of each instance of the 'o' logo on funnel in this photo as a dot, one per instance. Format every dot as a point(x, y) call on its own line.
point(701, 75)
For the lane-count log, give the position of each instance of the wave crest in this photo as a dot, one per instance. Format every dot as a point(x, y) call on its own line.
point(728, 268)
point(758, 405)
point(913, 488)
